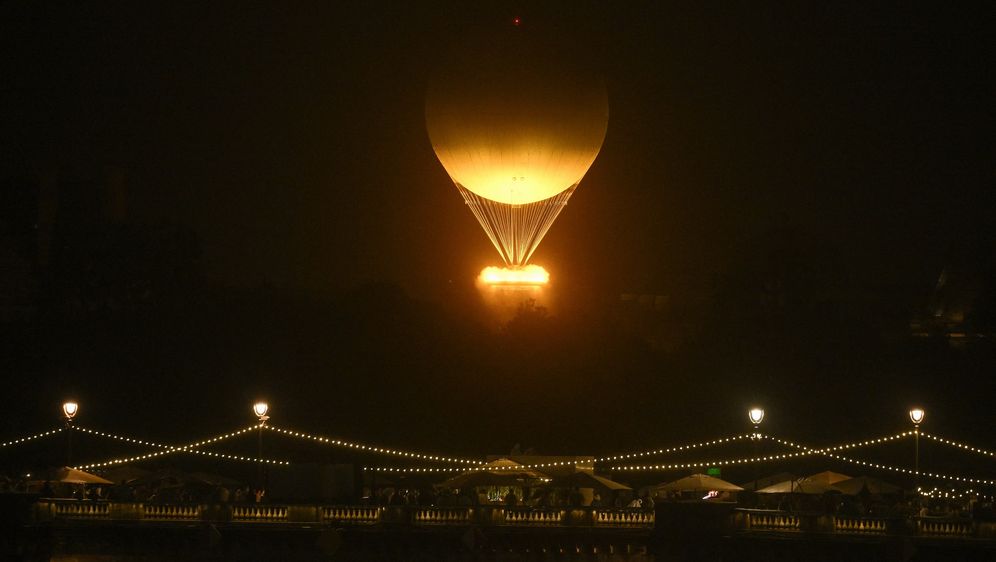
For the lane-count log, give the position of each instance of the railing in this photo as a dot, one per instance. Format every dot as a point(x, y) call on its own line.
point(540, 517)
point(259, 513)
point(81, 509)
point(623, 518)
point(861, 526)
point(928, 527)
point(772, 521)
point(746, 520)
point(166, 512)
point(443, 515)
point(352, 515)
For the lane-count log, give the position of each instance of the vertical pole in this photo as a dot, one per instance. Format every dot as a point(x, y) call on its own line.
point(755, 439)
point(69, 443)
point(916, 461)
point(259, 457)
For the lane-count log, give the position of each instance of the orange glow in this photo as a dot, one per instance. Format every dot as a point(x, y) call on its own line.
point(525, 275)
point(516, 124)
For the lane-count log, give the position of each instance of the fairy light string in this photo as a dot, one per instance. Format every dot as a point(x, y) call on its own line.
point(654, 452)
point(576, 460)
point(196, 444)
point(13, 442)
point(192, 448)
point(801, 450)
point(828, 452)
point(371, 448)
point(958, 445)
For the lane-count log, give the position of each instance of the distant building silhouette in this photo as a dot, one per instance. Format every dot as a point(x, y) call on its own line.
point(42, 218)
point(955, 308)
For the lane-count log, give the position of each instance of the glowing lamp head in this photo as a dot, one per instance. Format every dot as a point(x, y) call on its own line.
point(916, 416)
point(69, 409)
point(520, 275)
point(756, 415)
point(260, 409)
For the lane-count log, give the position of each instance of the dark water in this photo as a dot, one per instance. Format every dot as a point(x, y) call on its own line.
point(896, 551)
point(168, 543)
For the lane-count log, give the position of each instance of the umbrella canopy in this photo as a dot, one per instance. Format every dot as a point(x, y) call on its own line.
point(74, 476)
point(797, 486)
point(853, 486)
point(585, 479)
point(698, 483)
point(213, 479)
point(168, 477)
point(828, 477)
point(816, 484)
point(769, 480)
point(126, 474)
point(501, 472)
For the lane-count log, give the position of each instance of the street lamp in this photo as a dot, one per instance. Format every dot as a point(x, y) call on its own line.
point(755, 415)
point(916, 416)
point(260, 408)
point(69, 409)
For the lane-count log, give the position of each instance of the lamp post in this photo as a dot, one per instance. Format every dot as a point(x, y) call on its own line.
point(916, 416)
point(260, 408)
point(69, 409)
point(755, 415)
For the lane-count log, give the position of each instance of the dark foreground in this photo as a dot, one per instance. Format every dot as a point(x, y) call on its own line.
point(43, 530)
point(253, 544)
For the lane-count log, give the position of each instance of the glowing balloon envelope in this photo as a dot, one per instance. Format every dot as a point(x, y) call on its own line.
point(516, 125)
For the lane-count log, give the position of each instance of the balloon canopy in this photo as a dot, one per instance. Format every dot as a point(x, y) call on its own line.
point(516, 122)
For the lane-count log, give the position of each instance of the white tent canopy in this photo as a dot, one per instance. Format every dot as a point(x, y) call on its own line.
point(698, 483)
point(854, 486)
point(499, 472)
point(816, 484)
point(69, 475)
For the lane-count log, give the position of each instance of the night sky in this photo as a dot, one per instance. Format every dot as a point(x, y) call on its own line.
point(837, 158)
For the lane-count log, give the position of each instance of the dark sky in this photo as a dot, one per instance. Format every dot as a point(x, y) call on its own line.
point(290, 139)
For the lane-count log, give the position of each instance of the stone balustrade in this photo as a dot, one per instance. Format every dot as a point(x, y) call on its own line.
point(169, 512)
point(772, 521)
point(741, 520)
point(81, 509)
point(351, 515)
point(945, 528)
point(444, 515)
point(861, 526)
point(269, 513)
point(623, 518)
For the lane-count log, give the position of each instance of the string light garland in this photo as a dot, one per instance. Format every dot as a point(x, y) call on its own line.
point(826, 452)
point(595, 460)
point(371, 448)
point(170, 449)
point(802, 450)
point(676, 448)
point(856, 444)
point(179, 450)
point(29, 438)
point(667, 450)
point(772, 457)
point(948, 493)
point(724, 462)
point(216, 439)
point(672, 466)
point(958, 445)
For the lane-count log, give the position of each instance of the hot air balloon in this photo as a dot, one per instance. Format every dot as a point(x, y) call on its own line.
point(516, 123)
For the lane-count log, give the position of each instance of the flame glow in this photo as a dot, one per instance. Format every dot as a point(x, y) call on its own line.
point(525, 275)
